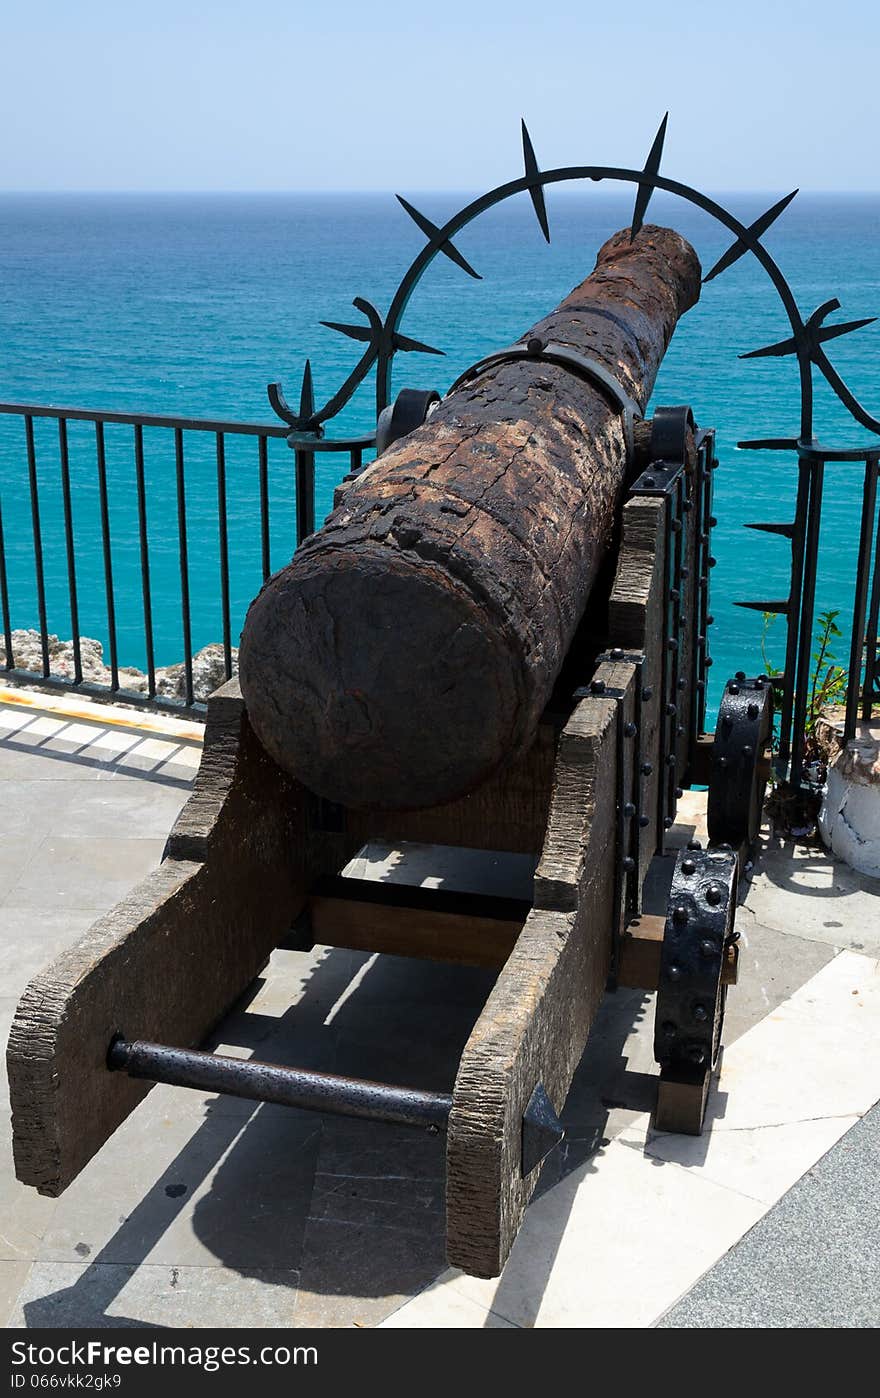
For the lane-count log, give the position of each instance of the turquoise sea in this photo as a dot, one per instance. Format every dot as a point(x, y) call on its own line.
point(192, 304)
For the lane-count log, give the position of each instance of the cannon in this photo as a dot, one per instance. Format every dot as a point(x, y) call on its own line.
point(498, 641)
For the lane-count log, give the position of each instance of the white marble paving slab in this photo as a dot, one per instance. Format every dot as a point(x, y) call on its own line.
point(620, 1239)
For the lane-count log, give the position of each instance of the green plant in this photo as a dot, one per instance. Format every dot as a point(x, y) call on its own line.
point(828, 680)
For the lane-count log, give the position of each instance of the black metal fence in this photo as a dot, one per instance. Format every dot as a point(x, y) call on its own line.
point(48, 486)
point(863, 669)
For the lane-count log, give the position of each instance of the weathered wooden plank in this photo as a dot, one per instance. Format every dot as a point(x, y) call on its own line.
point(640, 948)
point(170, 958)
point(440, 924)
point(636, 623)
point(537, 1018)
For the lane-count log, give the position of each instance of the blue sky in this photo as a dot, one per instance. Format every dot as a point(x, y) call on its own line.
point(341, 95)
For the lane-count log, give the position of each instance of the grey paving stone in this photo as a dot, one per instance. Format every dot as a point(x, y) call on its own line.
point(357, 1274)
point(31, 938)
point(85, 1295)
point(79, 872)
point(20, 761)
point(813, 1262)
point(802, 889)
point(773, 965)
point(16, 854)
point(191, 1189)
point(13, 1276)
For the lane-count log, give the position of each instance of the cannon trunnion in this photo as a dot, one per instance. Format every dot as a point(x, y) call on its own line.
point(254, 854)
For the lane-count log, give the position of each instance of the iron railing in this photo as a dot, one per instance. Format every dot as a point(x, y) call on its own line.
point(798, 608)
point(179, 430)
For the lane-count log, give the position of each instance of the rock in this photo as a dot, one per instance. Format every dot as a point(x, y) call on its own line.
point(849, 820)
point(208, 666)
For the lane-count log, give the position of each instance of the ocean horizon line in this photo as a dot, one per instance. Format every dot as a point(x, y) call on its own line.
point(598, 190)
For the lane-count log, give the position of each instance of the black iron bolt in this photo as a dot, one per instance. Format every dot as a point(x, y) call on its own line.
point(688, 866)
point(678, 793)
point(701, 684)
point(685, 573)
point(707, 947)
point(629, 809)
point(644, 820)
point(535, 345)
point(733, 688)
point(680, 730)
point(680, 914)
point(649, 480)
point(682, 684)
point(672, 643)
point(647, 693)
point(670, 710)
point(708, 662)
point(676, 526)
point(629, 864)
point(748, 750)
point(722, 762)
point(617, 653)
point(667, 823)
point(670, 759)
point(710, 621)
point(675, 973)
point(713, 894)
point(701, 1014)
point(740, 675)
point(647, 769)
point(597, 687)
point(696, 1055)
point(674, 594)
point(630, 730)
point(712, 521)
point(711, 561)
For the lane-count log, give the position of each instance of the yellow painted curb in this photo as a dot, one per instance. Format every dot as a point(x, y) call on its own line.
point(104, 715)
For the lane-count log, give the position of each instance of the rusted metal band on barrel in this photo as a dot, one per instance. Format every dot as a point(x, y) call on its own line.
point(587, 368)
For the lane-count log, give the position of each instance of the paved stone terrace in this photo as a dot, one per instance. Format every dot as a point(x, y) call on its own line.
point(206, 1210)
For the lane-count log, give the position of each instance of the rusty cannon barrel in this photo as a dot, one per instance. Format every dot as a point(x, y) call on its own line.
point(408, 649)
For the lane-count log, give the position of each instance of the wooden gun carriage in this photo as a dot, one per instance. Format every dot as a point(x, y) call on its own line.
point(256, 859)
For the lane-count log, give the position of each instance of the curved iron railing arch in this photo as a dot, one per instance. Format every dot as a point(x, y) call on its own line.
point(384, 338)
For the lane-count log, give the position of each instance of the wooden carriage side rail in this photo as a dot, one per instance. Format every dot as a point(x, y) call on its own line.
point(537, 1019)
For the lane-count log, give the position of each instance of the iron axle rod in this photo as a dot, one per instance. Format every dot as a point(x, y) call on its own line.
point(289, 1087)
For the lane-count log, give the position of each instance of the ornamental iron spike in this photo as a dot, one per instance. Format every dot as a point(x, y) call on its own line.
point(741, 247)
point(536, 189)
point(813, 334)
point(646, 188)
point(434, 233)
point(780, 608)
point(306, 394)
point(786, 531)
point(354, 332)
point(769, 444)
point(403, 342)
